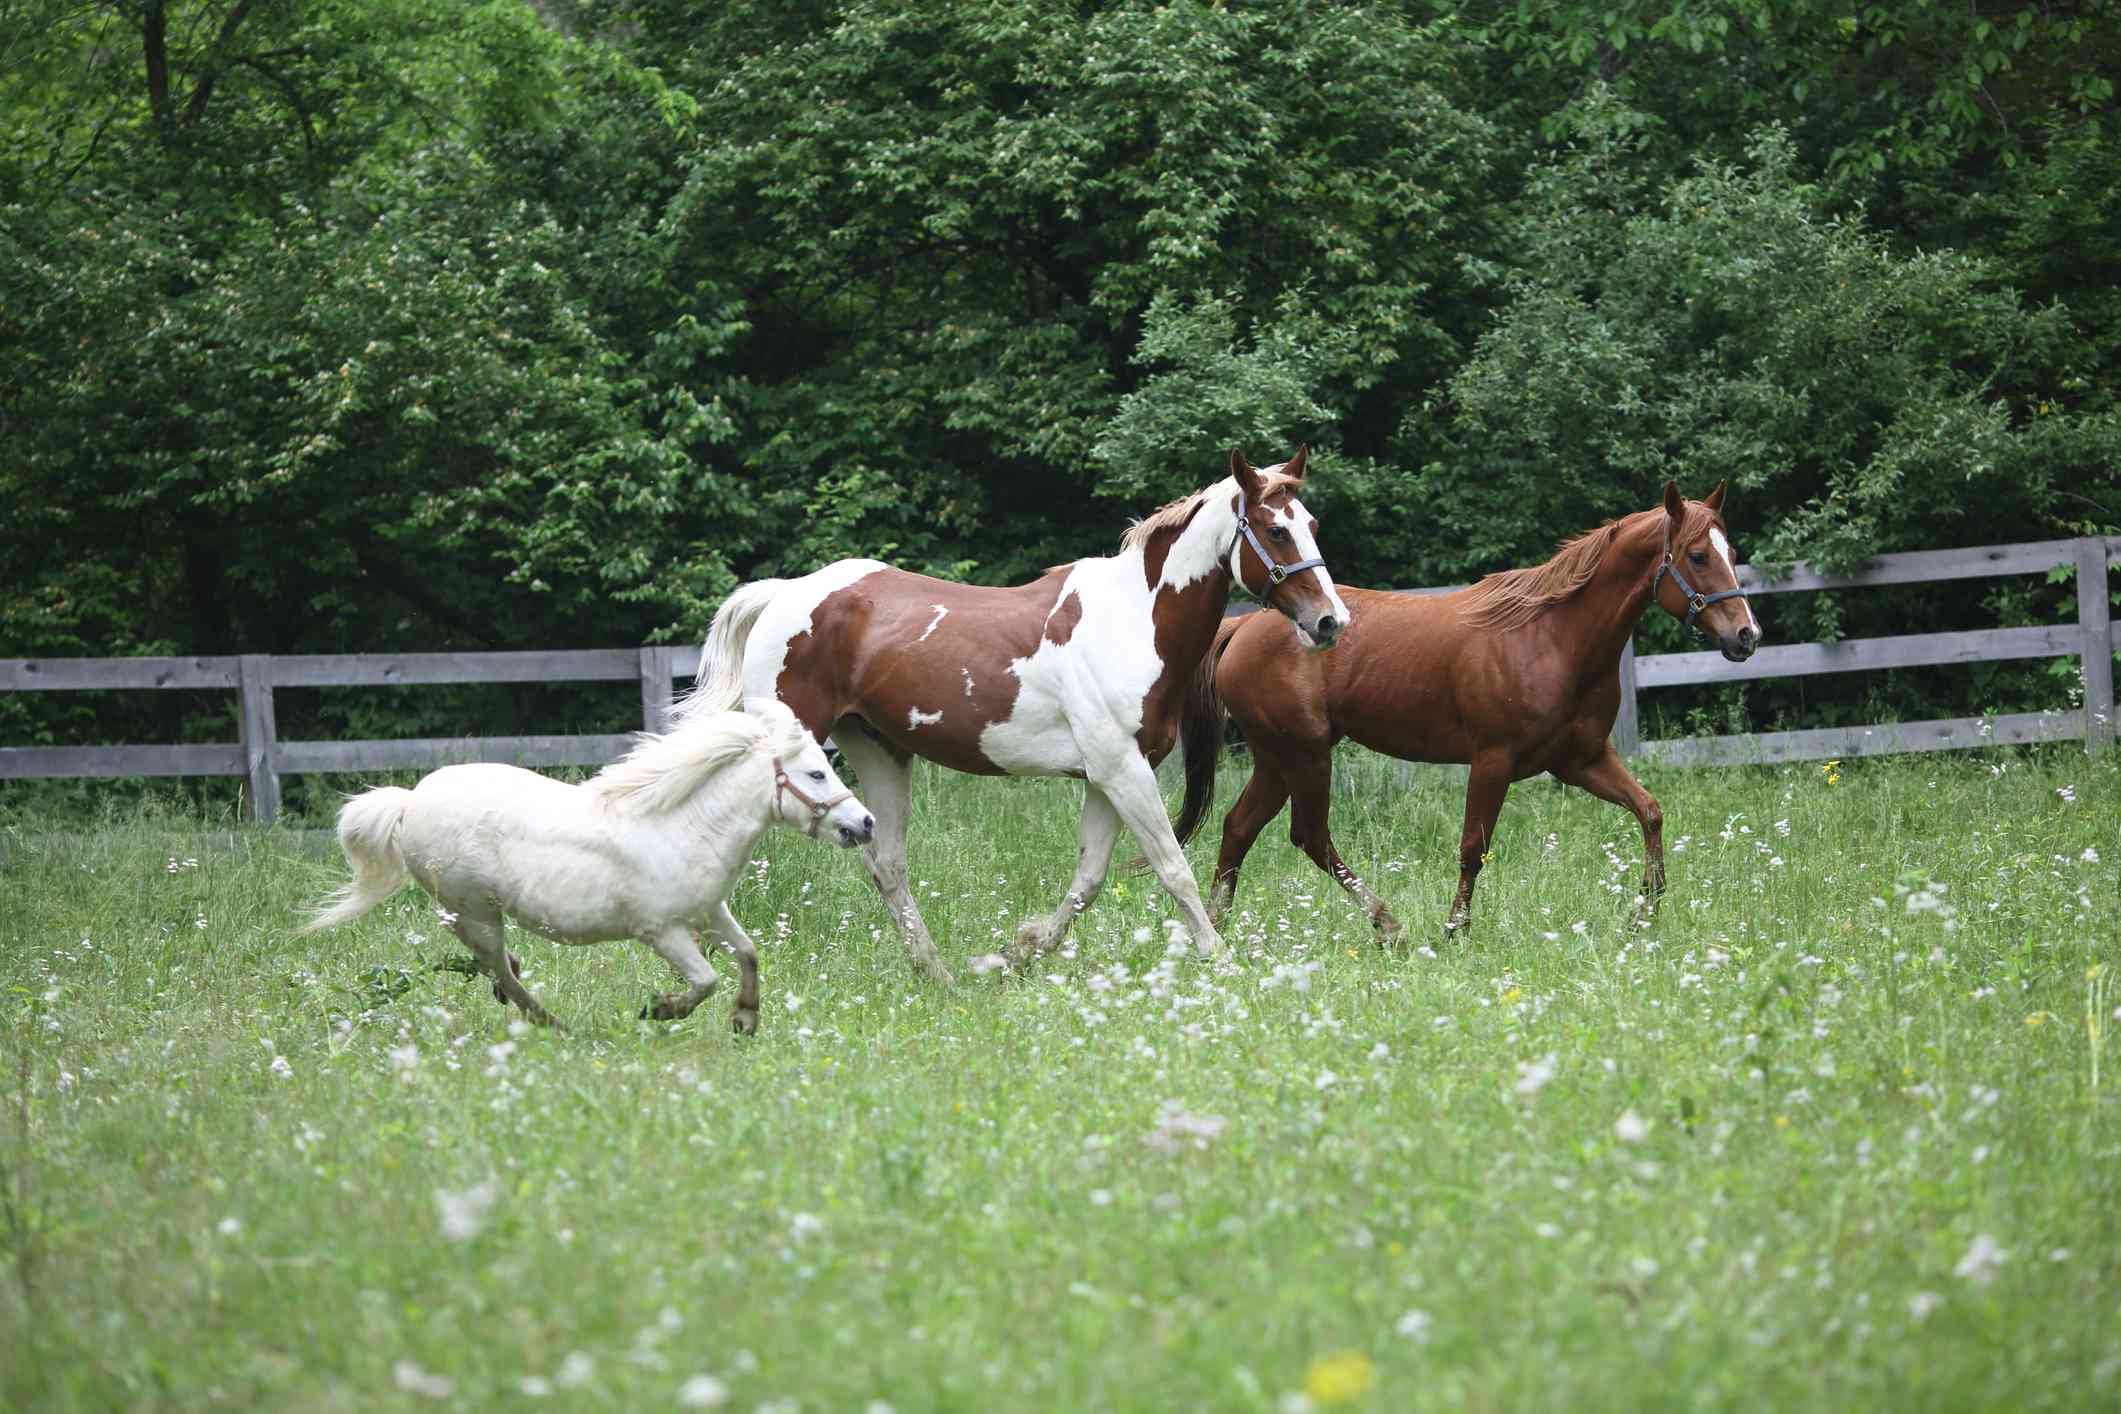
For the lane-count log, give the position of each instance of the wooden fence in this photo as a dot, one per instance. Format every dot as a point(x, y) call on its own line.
point(262, 758)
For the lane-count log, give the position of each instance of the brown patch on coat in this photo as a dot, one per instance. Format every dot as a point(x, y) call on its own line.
point(1060, 624)
point(1186, 621)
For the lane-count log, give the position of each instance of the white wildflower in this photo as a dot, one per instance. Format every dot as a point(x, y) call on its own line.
point(414, 1380)
point(464, 1214)
point(1415, 1326)
point(1631, 1128)
point(1532, 1076)
point(1982, 1260)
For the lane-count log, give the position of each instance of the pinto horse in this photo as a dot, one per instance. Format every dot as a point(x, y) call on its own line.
point(1516, 675)
point(1081, 672)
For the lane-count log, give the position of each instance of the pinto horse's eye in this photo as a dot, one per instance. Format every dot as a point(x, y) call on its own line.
point(1279, 534)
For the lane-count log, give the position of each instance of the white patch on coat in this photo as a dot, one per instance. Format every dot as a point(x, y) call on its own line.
point(915, 717)
point(939, 612)
point(1723, 548)
point(968, 680)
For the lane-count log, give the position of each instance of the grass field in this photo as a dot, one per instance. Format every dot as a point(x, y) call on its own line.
point(1838, 1131)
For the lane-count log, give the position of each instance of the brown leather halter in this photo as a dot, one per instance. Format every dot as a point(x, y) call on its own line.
point(817, 808)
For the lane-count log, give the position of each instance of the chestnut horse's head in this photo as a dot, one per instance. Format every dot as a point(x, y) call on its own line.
point(1275, 552)
point(1697, 579)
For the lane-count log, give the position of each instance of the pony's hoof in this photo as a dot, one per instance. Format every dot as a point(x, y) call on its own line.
point(744, 1021)
point(664, 1009)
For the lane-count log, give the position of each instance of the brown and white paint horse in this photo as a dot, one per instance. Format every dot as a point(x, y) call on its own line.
point(1079, 673)
point(1516, 675)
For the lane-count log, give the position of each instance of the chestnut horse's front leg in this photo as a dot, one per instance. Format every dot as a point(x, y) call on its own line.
point(1487, 782)
point(1609, 779)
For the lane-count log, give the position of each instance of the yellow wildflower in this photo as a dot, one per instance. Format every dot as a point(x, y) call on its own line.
point(1340, 1378)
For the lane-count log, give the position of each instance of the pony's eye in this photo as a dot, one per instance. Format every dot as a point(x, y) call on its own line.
point(817, 775)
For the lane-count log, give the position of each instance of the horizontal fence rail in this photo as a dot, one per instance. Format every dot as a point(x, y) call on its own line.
point(262, 758)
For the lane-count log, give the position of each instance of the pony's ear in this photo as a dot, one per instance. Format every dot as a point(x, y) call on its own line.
point(1673, 505)
point(1714, 500)
point(1249, 480)
point(1293, 468)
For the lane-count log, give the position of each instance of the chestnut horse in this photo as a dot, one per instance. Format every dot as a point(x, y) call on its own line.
point(1513, 676)
point(1079, 673)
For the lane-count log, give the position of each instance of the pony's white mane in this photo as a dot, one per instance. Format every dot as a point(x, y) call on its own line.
point(664, 770)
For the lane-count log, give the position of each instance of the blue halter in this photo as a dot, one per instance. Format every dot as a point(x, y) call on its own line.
point(1696, 601)
point(1276, 573)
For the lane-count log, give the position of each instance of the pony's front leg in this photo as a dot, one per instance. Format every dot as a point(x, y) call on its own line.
point(1093, 860)
point(1131, 785)
point(745, 1019)
point(487, 937)
point(677, 946)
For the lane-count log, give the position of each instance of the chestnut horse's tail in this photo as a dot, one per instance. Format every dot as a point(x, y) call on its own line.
point(1200, 733)
point(368, 833)
point(720, 684)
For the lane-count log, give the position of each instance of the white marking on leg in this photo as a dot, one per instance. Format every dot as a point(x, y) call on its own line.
point(939, 612)
point(915, 718)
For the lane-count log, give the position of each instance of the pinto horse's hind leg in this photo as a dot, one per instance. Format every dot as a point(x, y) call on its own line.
point(1132, 788)
point(886, 788)
point(488, 940)
point(1093, 860)
point(1311, 802)
point(1609, 779)
point(745, 1019)
point(677, 946)
point(1258, 803)
point(1486, 785)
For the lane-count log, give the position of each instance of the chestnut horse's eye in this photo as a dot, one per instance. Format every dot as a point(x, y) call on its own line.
point(1697, 557)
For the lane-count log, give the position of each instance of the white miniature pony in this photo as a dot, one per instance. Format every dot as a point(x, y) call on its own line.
point(644, 849)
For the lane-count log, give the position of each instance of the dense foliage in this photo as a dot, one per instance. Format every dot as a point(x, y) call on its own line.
point(367, 324)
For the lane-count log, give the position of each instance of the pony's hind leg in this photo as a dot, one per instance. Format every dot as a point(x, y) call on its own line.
point(886, 787)
point(1093, 860)
point(745, 1019)
point(1609, 779)
point(487, 937)
point(1257, 804)
point(677, 946)
point(1487, 782)
point(1311, 803)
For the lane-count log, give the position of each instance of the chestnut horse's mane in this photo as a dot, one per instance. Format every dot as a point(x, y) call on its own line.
point(1513, 598)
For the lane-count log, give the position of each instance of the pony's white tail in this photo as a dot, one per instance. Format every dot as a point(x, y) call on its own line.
point(720, 685)
point(368, 833)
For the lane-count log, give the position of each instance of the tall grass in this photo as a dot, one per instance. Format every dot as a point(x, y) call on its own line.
point(1828, 1135)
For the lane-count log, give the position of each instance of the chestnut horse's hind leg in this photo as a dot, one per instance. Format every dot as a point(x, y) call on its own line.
point(1259, 802)
point(677, 946)
point(1486, 784)
point(1311, 794)
point(487, 939)
point(886, 787)
point(1093, 859)
point(1609, 779)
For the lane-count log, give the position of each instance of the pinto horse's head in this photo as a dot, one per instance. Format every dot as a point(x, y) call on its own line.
point(1697, 578)
point(1275, 552)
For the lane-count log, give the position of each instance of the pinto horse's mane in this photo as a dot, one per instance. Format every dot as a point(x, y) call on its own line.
point(1513, 598)
point(1176, 512)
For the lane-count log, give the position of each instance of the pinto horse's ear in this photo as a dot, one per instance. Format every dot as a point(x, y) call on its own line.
point(1293, 468)
point(1714, 500)
point(1249, 480)
point(1673, 505)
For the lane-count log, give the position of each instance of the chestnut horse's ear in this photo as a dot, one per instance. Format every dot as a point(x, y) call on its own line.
point(1249, 480)
point(1673, 505)
point(1714, 500)
point(1293, 468)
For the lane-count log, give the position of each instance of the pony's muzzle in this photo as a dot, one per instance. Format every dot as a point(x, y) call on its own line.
point(858, 833)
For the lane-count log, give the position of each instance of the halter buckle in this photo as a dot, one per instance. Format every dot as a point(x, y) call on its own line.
point(1275, 573)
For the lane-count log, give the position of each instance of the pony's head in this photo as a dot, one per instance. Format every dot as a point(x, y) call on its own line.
point(807, 792)
point(1697, 577)
point(1275, 551)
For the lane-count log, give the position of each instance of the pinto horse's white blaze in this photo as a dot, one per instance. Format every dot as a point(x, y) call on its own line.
point(1723, 548)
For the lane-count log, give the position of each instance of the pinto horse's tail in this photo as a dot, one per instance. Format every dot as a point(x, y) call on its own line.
point(1200, 733)
point(368, 833)
point(720, 684)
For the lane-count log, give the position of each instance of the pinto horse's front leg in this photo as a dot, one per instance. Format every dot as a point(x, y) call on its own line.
point(1132, 788)
point(1093, 860)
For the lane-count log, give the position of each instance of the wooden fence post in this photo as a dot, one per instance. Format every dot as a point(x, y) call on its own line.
point(656, 696)
point(254, 681)
point(1627, 725)
point(2095, 618)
